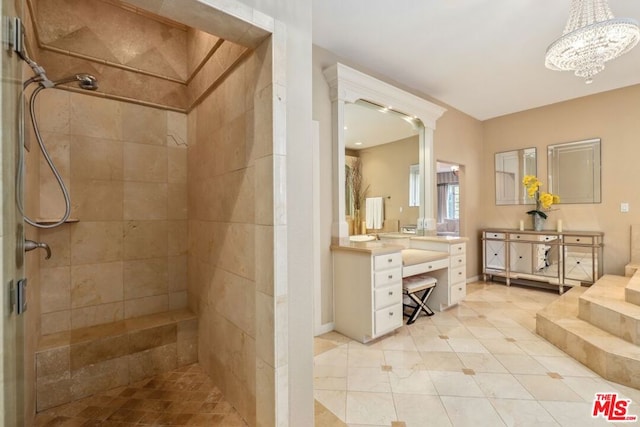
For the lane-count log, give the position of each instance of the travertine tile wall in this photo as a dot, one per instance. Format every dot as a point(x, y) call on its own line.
point(125, 166)
point(135, 55)
point(230, 205)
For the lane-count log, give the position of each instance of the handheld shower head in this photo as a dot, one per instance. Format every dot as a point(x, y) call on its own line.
point(85, 81)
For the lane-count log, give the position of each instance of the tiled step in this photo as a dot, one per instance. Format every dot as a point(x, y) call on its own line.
point(606, 354)
point(604, 306)
point(632, 291)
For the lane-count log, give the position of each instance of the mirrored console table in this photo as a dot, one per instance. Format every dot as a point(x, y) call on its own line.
point(545, 258)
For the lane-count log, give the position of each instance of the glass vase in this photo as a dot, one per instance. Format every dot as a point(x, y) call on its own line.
point(538, 222)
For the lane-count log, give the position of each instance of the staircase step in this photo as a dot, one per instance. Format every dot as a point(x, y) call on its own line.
point(604, 306)
point(632, 291)
point(604, 353)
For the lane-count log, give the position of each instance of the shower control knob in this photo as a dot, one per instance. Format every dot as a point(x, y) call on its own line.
point(30, 245)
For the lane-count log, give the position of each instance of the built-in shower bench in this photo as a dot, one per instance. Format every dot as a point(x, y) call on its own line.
point(78, 363)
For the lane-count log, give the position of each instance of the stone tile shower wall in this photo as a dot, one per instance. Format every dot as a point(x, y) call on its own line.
point(230, 205)
point(125, 166)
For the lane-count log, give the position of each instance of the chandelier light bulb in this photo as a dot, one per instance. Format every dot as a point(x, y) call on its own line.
point(591, 37)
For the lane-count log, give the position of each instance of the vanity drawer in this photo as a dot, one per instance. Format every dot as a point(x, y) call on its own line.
point(425, 267)
point(489, 235)
point(457, 292)
point(381, 262)
point(458, 274)
point(388, 319)
point(578, 240)
point(457, 249)
point(388, 296)
point(388, 277)
point(458, 260)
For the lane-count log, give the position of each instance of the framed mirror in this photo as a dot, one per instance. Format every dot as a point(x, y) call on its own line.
point(510, 168)
point(574, 171)
point(381, 145)
point(347, 86)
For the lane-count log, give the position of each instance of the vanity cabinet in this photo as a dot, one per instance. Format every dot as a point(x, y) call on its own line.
point(452, 281)
point(367, 293)
point(546, 257)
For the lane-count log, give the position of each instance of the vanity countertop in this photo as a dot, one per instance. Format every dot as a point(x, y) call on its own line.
point(442, 239)
point(374, 247)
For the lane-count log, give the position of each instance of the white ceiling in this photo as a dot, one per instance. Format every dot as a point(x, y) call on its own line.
point(483, 57)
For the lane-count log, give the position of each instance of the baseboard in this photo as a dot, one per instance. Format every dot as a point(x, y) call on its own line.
point(323, 329)
point(473, 279)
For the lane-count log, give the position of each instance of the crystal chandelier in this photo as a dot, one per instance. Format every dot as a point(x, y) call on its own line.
point(591, 37)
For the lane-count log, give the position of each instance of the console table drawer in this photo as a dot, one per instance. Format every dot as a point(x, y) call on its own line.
point(381, 262)
point(388, 319)
point(488, 235)
point(388, 277)
point(388, 296)
point(578, 240)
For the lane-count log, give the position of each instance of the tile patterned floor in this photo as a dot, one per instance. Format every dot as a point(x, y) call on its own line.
point(478, 364)
point(184, 397)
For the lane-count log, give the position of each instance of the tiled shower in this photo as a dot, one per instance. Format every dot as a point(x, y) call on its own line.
point(169, 167)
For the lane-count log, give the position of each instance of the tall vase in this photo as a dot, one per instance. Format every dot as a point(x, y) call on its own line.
point(356, 221)
point(538, 222)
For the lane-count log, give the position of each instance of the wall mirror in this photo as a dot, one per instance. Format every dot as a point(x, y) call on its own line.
point(574, 171)
point(386, 143)
point(510, 168)
point(347, 86)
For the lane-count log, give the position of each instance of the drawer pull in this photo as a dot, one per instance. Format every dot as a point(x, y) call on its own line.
point(460, 289)
point(577, 240)
point(459, 273)
point(390, 276)
point(495, 254)
point(459, 260)
point(390, 260)
point(517, 237)
point(390, 293)
point(391, 313)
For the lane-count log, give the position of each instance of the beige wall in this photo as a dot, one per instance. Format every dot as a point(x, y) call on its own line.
point(125, 168)
point(611, 116)
point(230, 229)
point(135, 55)
point(385, 168)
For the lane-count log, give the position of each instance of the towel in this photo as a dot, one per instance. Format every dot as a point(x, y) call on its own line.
point(374, 212)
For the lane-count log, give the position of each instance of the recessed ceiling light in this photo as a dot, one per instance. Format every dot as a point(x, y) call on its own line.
point(358, 143)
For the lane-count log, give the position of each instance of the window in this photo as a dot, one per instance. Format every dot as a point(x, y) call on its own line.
point(453, 201)
point(414, 185)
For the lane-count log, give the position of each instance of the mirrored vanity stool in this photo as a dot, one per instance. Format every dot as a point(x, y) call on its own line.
point(544, 258)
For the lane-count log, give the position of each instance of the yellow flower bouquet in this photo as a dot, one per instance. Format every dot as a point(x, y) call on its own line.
point(543, 199)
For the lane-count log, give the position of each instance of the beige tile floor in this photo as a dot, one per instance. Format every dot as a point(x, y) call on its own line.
point(183, 397)
point(478, 364)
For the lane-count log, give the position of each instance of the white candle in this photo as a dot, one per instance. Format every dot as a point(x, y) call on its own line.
point(521, 225)
point(559, 226)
